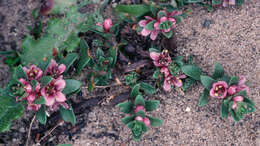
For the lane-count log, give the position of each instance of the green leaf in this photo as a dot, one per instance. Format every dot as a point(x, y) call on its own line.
point(34, 84)
point(135, 91)
point(204, 98)
point(139, 100)
point(45, 80)
point(145, 129)
point(41, 115)
point(43, 65)
point(140, 113)
point(218, 71)
point(154, 50)
point(150, 25)
point(134, 10)
point(193, 1)
point(192, 71)
point(224, 78)
point(188, 83)
point(9, 111)
point(71, 86)
point(41, 100)
point(161, 14)
point(168, 34)
point(224, 109)
point(249, 101)
point(131, 124)
point(84, 57)
point(99, 53)
point(126, 107)
point(113, 55)
point(156, 74)
point(155, 122)
point(216, 2)
point(137, 130)
point(234, 80)
point(148, 89)
point(241, 93)
point(165, 25)
point(68, 115)
point(207, 82)
point(69, 60)
point(151, 105)
point(128, 119)
point(20, 72)
point(235, 117)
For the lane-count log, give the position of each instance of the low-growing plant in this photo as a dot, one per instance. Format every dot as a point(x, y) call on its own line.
point(137, 107)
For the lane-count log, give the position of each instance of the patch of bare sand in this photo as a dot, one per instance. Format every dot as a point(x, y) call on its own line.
point(233, 39)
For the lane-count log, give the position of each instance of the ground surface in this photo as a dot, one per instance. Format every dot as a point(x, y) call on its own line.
point(232, 39)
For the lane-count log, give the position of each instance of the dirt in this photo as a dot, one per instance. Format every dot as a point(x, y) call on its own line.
point(230, 36)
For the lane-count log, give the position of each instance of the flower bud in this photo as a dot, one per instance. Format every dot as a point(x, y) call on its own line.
point(138, 118)
point(138, 108)
point(108, 24)
point(146, 121)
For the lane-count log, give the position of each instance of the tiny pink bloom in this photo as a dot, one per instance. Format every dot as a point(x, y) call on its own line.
point(145, 32)
point(219, 90)
point(232, 90)
point(138, 108)
point(27, 86)
point(108, 24)
point(33, 73)
point(146, 121)
point(55, 70)
point(172, 81)
point(53, 92)
point(235, 100)
point(165, 71)
point(162, 59)
point(138, 118)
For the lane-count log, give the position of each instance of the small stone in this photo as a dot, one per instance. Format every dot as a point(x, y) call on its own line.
point(206, 23)
point(22, 130)
point(187, 109)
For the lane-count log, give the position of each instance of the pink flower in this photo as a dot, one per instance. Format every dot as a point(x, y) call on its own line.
point(31, 95)
point(145, 32)
point(138, 108)
point(165, 71)
point(163, 19)
point(138, 118)
point(240, 87)
point(235, 100)
point(162, 59)
point(32, 106)
point(229, 2)
point(219, 90)
point(107, 24)
point(172, 81)
point(33, 73)
point(55, 70)
point(53, 92)
point(146, 121)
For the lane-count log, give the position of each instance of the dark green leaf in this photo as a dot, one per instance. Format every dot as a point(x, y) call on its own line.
point(137, 131)
point(126, 107)
point(135, 91)
point(234, 80)
point(207, 82)
point(84, 57)
point(69, 60)
point(218, 71)
point(150, 25)
point(68, 115)
point(128, 119)
point(154, 50)
point(131, 124)
point(249, 101)
point(20, 72)
point(45, 80)
point(148, 89)
point(224, 109)
point(43, 65)
point(235, 117)
point(100, 54)
point(41, 115)
point(204, 98)
point(168, 34)
point(151, 105)
point(156, 74)
point(188, 83)
point(134, 10)
point(113, 55)
point(140, 113)
point(224, 78)
point(161, 14)
point(192, 71)
point(241, 93)
point(216, 2)
point(139, 100)
point(155, 122)
point(71, 86)
point(41, 100)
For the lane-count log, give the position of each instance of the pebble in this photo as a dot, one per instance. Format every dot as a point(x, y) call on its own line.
point(206, 23)
point(187, 109)
point(22, 130)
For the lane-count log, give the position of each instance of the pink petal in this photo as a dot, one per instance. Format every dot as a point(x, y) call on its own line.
point(145, 32)
point(234, 106)
point(225, 3)
point(61, 68)
point(99, 24)
point(148, 18)
point(157, 64)
point(49, 101)
point(212, 92)
point(223, 96)
point(25, 69)
point(138, 108)
point(38, 87)
point(163, 19)
point(238, 99)
point(165, 71)
point(154, 35)
point(60, 84)
point(52, 64)
point(244, 87)
point(28, 88)
point(142, 23)
point(39, 74)
point(242, 80)
point(108, 24)
point(232, 90)
point(156, 25)
point(154, 56)
point(172, 20)
point(31, 98)
point(177, 82)
point(60, 97)
point(138, 118)
point(23, 81)
point(183, 76)
point(166, 85)
point(146, 121)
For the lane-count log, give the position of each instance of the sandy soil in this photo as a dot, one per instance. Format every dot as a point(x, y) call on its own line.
point(232, 39)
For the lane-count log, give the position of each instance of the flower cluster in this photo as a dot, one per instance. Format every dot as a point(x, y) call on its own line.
point(163, 60)
point(164, 23)
point(145, 120)
point(221, 90)
point(52, 92)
